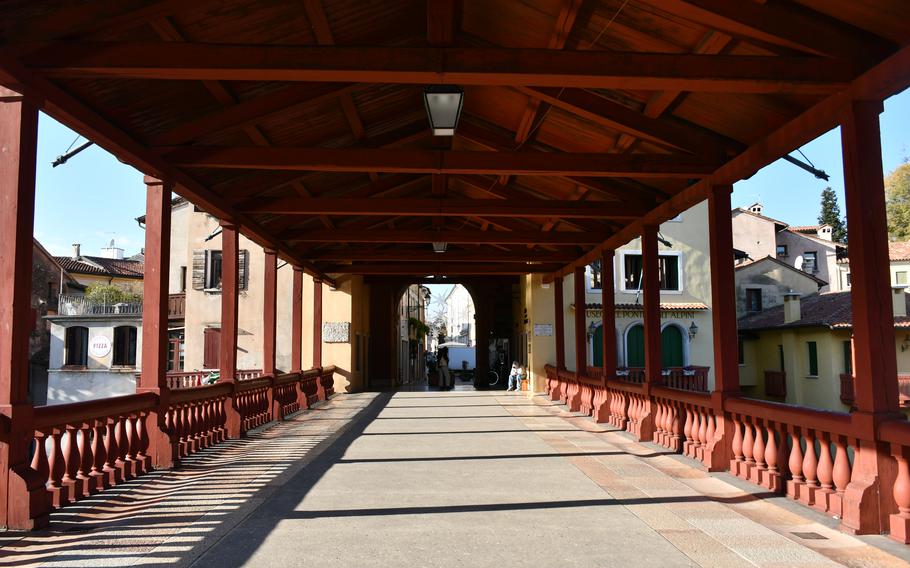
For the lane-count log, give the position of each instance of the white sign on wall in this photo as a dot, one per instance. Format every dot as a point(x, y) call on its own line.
point(543, 329)
point(336, 332)
point(99, 346)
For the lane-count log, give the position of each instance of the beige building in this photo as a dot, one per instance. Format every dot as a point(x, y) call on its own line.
point(810, 249)
point(762, 284)
point(685, 299)
point(899, 255)
point(460, 316)
point(800, 352)
point(195, 270)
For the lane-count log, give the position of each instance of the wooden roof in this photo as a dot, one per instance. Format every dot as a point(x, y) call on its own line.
point(303, 120)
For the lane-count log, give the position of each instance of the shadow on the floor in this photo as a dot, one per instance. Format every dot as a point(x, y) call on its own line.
point(499, 457)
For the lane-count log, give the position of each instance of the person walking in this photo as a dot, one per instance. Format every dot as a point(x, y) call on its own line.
point(445, 379)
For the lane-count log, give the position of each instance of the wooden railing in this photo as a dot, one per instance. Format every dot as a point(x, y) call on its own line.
point(776, 384)
point(190, 379)
point(847, 389)
point(82, 448)
point(811, 456)
point(176, 306)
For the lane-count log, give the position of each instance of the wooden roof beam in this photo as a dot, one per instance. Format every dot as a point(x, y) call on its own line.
point(466, 66)
point(442, 21)
point(447, 207)
point(779, 23)
point(426, 254)
point(440, 267)
point(342, 235)
point(668, 133)
point(442, 162)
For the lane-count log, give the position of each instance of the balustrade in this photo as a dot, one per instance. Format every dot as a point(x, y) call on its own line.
point(86, 447)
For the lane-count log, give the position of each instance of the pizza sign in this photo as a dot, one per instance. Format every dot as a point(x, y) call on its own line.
point(100, 346)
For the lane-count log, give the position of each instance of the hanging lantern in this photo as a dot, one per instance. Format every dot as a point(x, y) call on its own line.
point(443, 104)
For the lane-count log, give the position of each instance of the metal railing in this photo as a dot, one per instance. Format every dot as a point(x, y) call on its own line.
point(69, 305)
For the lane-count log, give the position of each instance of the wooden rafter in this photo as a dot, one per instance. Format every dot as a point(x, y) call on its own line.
point(468, 66)
point(569, 238)
point(446, 207)
point(425, 254)
point(439, 267)
point(440, 162)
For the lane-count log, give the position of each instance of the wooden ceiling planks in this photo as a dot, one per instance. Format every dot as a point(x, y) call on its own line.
point(638, 118)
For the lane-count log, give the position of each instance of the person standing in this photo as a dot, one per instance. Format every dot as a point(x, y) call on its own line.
point(445, 379)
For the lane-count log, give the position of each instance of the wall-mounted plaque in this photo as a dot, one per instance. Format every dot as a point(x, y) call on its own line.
point(100, 346)
point(543, 330)
point(336, 332)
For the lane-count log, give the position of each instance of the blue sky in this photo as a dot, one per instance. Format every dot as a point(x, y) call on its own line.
point(94, 198)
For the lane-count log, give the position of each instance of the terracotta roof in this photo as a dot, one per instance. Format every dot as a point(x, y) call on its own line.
point(781, 263)
point(899, 250)
point(100, 266)
point(833, 310)
point(666, 306)
point(806, 228)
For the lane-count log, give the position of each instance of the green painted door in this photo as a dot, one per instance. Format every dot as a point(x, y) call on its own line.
point(598, 346)
point(635, 347)
point(671, 347)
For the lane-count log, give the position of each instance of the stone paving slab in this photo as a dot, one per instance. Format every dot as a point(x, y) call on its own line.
point(458, 478)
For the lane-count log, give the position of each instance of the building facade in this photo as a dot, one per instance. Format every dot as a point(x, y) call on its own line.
point(460, 316)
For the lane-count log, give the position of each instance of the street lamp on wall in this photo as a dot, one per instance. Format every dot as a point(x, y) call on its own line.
point(693, 331)
point(443, 104)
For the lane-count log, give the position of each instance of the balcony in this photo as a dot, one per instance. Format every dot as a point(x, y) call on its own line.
point(71, 305)
point(848, 389)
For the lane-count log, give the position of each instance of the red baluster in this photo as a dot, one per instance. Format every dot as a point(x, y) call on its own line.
point(736, 446)
point(39, 460)
point(794, 487)
point(810, 469)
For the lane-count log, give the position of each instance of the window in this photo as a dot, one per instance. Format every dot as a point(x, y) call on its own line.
point(596, 275)
point(753, 299)
point(742, 351)
point(213, 270)
point(780, 357)
point(77, 346)
point(176, 349)
point(125, 346)
point(183, 279)
point(207, 268)
point(849, 280)
point(782, 251)
point(635, 346)
point(848, 358)
point(900, 277)
point(668, 272)
point(813, 358)
point(810, 262)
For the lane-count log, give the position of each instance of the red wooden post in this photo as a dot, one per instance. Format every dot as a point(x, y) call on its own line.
point(608, 315)
point(24, 501)
point(317, 333)
point(155, 317)
point(718, 452)
point(297, 320)
point(651, 301)
point(230, 245)
point(559, 324)
point(867, 502)
point(269, 309)
point(581, 330)
point(269, 326)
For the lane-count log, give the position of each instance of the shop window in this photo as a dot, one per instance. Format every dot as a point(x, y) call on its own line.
point(77, 346)
point(125, 346)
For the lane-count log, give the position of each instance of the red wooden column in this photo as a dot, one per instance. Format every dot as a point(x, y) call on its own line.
point(559, 324)
point(155, 317)
point(651, 301)
point(269, 324)
point(717, 453)
point(269, 310)
point(608, 315)
point(230, 245)
point(867, 501)
point(581, 339)
point(297, 320)
point(24, 501)
point(317, 332)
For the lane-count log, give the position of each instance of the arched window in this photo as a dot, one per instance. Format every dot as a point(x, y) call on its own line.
point(671, 347)
point(125, 346)
point(635, 346)
point(597, 351)
point(77, 346)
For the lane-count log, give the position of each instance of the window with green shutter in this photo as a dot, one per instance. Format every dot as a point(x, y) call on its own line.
point(813, 358)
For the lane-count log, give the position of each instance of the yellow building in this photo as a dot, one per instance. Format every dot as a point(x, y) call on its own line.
point(801, 352)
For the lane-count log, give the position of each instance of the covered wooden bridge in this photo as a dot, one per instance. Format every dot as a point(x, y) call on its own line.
point(585, 123)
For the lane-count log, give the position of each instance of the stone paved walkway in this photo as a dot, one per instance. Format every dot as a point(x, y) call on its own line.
point(460, 478)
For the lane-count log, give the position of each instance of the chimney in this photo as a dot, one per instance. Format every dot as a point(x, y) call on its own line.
point(756, 208)
point(899, 300)
point(825, 232)
point(76, 251)
point(791, 307)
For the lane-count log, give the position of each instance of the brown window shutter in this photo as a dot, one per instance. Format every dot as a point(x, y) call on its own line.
point(199, 269)
point(243, 264)
point(211, 352)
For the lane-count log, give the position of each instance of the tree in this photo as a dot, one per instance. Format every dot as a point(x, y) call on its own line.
point(830, 215)
point(110, 294)
point(897, 202)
